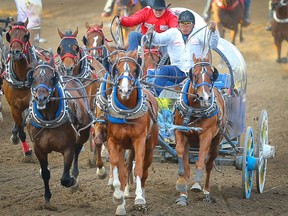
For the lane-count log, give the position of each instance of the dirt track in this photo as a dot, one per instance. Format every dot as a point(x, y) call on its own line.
point(21, 188)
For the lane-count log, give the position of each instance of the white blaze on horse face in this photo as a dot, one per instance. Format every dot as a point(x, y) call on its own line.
point(95, 44)
point(205, 95)
point(125, 81)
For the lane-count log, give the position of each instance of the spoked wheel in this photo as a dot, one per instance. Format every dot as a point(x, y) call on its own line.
point(262, 140)
point(249, 163)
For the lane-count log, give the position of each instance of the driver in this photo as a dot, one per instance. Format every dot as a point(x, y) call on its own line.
point(158, 15)
point(181, 43)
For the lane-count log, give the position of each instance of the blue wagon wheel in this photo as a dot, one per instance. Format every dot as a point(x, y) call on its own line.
point(262, 140)
point(248, 163)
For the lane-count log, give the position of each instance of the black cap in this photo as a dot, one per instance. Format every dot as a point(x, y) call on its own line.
point(158, 4)
point(186, 16)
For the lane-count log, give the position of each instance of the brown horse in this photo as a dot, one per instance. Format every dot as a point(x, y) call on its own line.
point(58, 121)
point(15, 86)
point(228, 14)
point(76, 63)
point(280, 26)
point(201, 106)
point(132, 124)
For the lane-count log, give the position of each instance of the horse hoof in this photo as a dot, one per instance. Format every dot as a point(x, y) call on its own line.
point(28, 153)
point(208, 199)
point(14, 140)
point(75, 187)
point(196, 187)
point(182, 201)
point(101, 173)
point(140, 207)
point(139, 201)
point(120, 210)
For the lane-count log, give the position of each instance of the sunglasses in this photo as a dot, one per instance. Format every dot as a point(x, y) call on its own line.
point(185, 23)
point(158, 10)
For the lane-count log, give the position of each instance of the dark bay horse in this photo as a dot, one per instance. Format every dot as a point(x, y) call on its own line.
point(75, 62)
point(132, 124)
point(228, 14)
point(58, 121)
point(202, 107)
point(280, 26)
point(15, 86)
point(85, 66)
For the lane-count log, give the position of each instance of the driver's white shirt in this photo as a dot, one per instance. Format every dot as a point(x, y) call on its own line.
point(181, 54)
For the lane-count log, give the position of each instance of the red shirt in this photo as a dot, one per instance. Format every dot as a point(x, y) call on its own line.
point(146, 18)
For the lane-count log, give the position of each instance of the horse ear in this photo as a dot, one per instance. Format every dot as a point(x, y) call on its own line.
point(215, 74)
point(8, 37)
point(85, 41)
point(26, 22)
point(101, 25)
point(191, 73)
point(87, 25)
point(76, 32)
point(27, 36)
point(60, 34)
point(29, 77)
point(55, 79)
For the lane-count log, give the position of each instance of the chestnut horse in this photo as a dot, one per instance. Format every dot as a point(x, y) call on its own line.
point(58, 121)
point(132, 124)
point(96, 43)
point(280, 26)
point(15, 86)
point(200, 105)
point(228, 14)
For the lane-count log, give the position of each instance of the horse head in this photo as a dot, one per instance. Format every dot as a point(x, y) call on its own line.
point(125, 73)
point(94, 39)
point(202, 77)
point(69, 52)
point(18, 37)
point(43, 79)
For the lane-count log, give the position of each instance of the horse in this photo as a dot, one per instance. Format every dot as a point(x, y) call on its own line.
point(229, 14)
point(15, 86)
point(132, 124)
point(58, 121)
point(76, 63)
point(96, 43)
point(201, 106)
point(280, 26)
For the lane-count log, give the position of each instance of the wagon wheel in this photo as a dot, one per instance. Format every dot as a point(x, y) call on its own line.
point(262, 140)
point(247, 169)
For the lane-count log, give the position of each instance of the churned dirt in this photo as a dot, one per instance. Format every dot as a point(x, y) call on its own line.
point(21, 188)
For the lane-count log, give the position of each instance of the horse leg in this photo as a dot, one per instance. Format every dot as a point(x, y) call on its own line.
point(14, 137)
point(204, 143)
point(1, 115)
point(241, 38)
point(18, 128)
point(100, 136)
point(140, 149)
point(66, 179)
point(129, 171)
point(233, 36)
point(115, 159)
point(209, 166)
point(45, 174)
point(181, 184)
